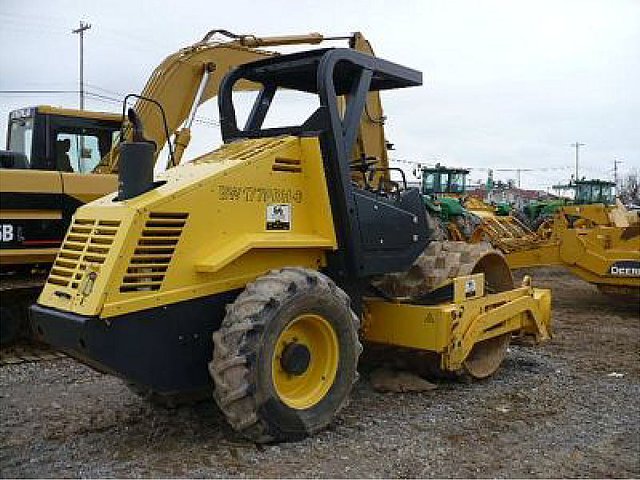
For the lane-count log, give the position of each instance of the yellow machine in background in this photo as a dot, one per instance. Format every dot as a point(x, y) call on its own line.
point(250, 270)
point(44, 177)
point(45, 174)
point(595, 237)
point(599, 244)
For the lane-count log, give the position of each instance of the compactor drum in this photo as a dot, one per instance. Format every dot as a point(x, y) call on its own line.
point(257, 271)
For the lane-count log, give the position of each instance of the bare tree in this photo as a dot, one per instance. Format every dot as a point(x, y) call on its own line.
point(630, 188)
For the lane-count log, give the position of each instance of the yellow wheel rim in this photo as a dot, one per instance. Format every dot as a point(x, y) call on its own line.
point(305, 361)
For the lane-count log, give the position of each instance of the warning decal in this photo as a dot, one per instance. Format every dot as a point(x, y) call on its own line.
point(279, 216)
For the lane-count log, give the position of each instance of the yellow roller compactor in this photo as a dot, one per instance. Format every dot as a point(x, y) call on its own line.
point(59, 159)
point(256, 271)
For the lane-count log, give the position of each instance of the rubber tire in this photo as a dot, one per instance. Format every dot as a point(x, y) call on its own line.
point(244, 346)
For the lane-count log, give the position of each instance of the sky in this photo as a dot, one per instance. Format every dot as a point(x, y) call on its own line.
point(507, 84)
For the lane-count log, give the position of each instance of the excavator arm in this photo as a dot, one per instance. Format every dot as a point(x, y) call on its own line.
point(191, 76)
point(371, 140)
point(186, 79)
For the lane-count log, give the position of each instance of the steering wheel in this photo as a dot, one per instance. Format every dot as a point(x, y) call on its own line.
point(365, 165)
point(388, 187)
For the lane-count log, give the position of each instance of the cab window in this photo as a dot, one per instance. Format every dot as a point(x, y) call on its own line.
point(457, 183)
point(444, 183)
point(428, 183)
point(21, 136)
point(77, 153)
point(82, 152)
point(582, 194)
point(607, 195)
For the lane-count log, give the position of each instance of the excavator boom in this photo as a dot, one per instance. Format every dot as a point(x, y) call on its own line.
point(191, 76)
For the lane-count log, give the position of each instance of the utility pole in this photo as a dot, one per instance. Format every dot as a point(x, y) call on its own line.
point(80, 30)
point(577, 145)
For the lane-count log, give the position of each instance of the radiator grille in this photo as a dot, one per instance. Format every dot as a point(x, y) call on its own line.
point(87, 242)
point(150, 260)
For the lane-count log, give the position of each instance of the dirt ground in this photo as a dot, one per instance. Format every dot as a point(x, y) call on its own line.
point(570, 408)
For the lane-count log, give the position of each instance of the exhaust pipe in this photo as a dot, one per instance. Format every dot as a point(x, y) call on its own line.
point(135, 172)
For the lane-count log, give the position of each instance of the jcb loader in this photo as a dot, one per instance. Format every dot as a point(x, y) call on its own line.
point(256, 271)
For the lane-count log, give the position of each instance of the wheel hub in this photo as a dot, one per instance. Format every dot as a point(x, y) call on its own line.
point(305, 361)
point(295, 358)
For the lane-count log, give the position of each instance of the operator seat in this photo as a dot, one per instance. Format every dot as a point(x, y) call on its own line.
point(62, 157)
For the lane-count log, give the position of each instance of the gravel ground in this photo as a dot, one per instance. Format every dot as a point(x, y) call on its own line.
point(570, 408)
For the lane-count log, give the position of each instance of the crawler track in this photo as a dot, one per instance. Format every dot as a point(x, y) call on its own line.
point(27, 353)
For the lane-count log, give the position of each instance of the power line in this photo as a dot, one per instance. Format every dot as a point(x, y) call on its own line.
point(105, 97)
point(29, 92)
point(106, 90)
point(498, 169)
point(102, 98)
point(537, 169)
point(207, 121)
point(29, 24)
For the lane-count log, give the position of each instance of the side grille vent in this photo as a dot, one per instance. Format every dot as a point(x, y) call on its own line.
point(154, 250)
point(87, 242)
point(288, 165)
point(245, 150)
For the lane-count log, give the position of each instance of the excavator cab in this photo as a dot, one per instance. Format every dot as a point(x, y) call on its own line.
point(45, 177)
point(37, 137)
point(589, 192)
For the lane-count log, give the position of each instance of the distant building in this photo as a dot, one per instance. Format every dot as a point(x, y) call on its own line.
point(508, 193)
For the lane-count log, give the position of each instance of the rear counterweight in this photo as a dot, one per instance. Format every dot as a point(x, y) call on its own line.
point(164, 349)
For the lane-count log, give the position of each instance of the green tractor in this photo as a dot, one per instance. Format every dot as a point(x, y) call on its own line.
point(584, 192)
point(503, 209)
point(443, 192)
point(537, 211)
point(590, 192)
